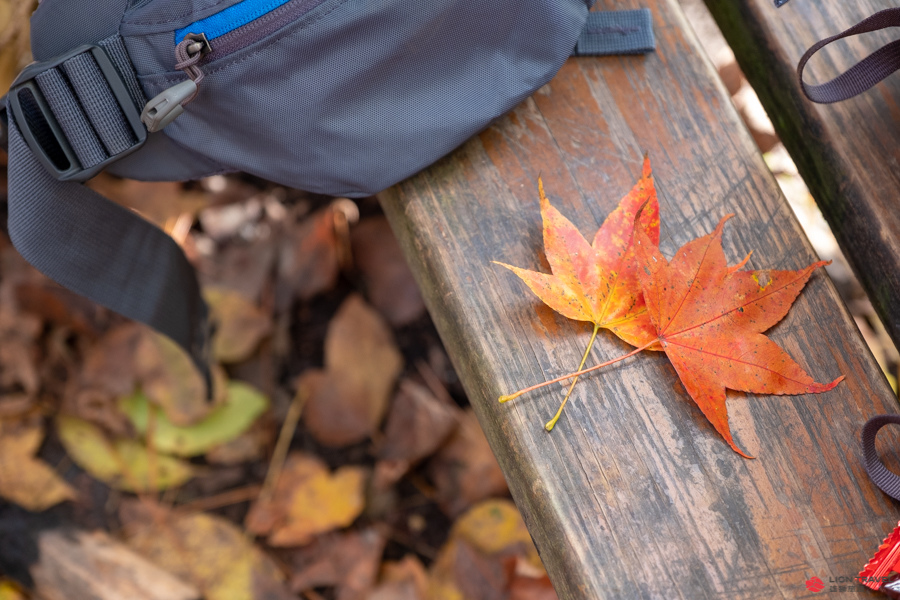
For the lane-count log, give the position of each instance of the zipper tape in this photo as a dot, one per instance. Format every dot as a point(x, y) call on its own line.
point(230, 19)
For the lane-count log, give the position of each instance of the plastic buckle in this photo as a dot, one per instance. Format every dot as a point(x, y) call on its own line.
point(56, 153)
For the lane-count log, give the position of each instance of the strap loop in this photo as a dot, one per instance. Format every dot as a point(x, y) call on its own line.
point(864, 74)
point(883, 478)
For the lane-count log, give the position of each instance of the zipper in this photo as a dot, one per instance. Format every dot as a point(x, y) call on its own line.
point(244, 23)
point(214, 37)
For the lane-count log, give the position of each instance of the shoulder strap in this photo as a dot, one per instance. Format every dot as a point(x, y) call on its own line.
point(883, 478)
point(864, 74)
point(75, 236)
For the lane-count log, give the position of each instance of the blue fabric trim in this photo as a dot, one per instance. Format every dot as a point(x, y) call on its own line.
point(230, 19)
point(616, 32)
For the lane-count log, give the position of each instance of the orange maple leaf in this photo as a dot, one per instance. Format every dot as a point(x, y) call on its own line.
point(709, 320)
point(598, 282)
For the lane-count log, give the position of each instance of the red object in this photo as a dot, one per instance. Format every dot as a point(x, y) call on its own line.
point(885, 561)
point(815, 585)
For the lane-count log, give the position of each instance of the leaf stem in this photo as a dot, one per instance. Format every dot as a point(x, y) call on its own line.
point(549, 425)
point(576, 374)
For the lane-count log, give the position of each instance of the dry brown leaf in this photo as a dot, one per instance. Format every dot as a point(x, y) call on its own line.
point(349, 562)
point(402, 580)
point(489, 555)
point(24, 479)
point(18, 352)
point(54, 303)
point(240, 325)
point(250, 445)
point(390, 285)
point(417, 424)
point(213, 554)
point(308, 500)
point(308, 260)
point(239, 266)
point(348, 401)
point(160, 202)
point(465, 470)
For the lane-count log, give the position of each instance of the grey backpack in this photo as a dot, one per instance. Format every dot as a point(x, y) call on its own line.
point(339, 97)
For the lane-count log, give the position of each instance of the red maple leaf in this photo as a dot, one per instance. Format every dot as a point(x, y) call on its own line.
point(709, 319)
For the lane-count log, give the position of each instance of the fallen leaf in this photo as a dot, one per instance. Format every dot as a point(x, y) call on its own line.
point(56, 304)
point(346, 561)
point(495, 528)
point(598, 282)
point(169, 378)
point(349, 398)
point(76, 564)
point(10, 590)
point(487, 551)
point(211, 553)
point(389, 283)
point(308, 500)
point(18, 351)
point(24, 479)
point(158, 201)
point(249, 446)
point(417, 424)
point(308, 260)
point(239, 325)
point(243, 405)
point(464, 470)
point(121, 463)
point(242, 266)
point(531, 588)
point(709, 320)
point(464, 572)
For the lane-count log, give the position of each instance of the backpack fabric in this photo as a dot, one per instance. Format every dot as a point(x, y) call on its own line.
point(330, 96)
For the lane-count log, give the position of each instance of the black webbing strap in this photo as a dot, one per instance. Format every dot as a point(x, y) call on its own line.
point(88, 243)
point(883, 478)
point(609, 32)
point(864, 74)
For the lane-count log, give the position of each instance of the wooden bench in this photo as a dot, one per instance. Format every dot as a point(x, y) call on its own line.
point(634, 495)
point(848, 153)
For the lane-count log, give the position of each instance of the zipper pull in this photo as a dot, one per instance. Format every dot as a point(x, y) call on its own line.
point(166, 106)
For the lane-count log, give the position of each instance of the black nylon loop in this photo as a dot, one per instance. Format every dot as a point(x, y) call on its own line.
point(864, 74)
point(883, 478)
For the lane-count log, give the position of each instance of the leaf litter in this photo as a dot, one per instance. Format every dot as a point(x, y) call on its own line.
point(125, 415)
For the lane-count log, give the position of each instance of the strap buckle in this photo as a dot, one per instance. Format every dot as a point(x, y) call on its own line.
point(42, 132)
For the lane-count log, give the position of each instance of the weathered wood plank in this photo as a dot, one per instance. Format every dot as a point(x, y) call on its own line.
point(848, 153)
point(634, 495)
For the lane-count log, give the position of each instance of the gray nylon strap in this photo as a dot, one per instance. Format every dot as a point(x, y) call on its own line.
point(616, 32)
point(89, 244)
point(115, 48)
point(99, 103)
point(71, 118)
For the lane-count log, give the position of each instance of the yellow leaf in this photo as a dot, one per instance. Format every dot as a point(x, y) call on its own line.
point(214, 555)
point(494, 526)
point(9, 590)
point(123, 464)
point(308, 500)
point(24, 479)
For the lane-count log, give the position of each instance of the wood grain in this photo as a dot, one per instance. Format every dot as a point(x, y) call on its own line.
point(848, 153)
point(634, 495)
